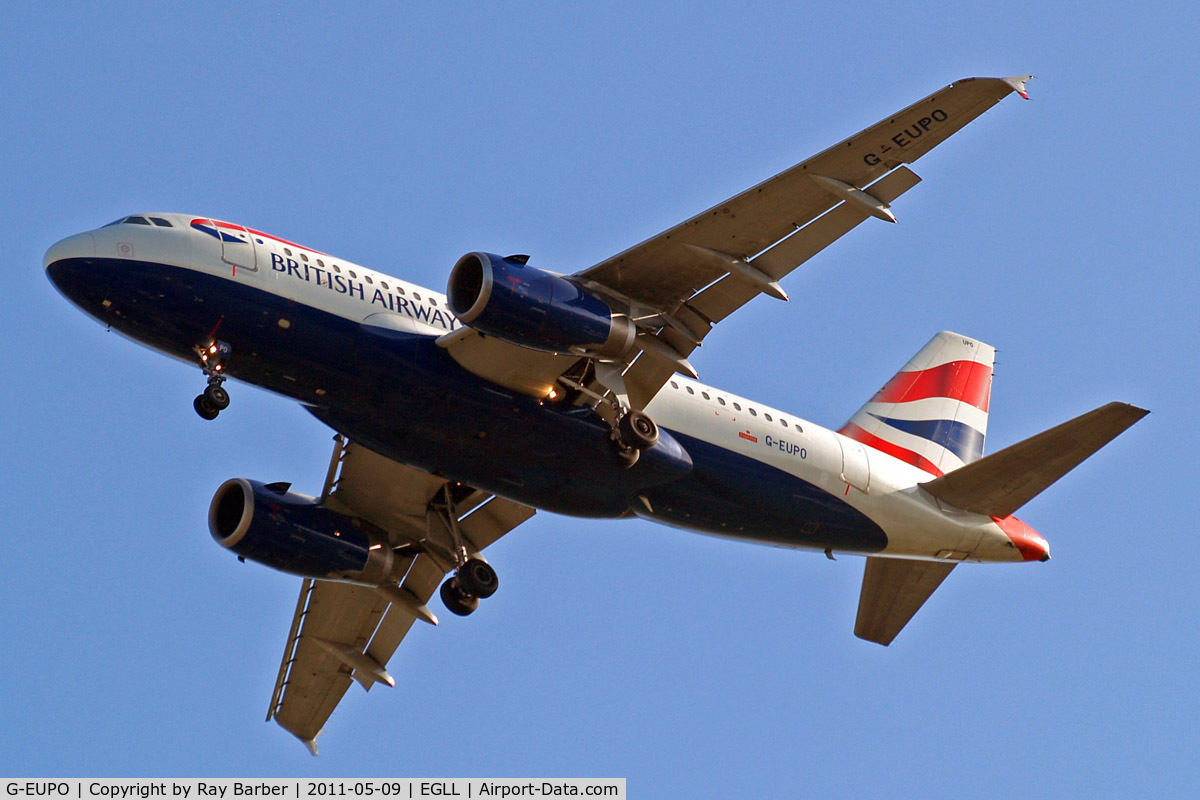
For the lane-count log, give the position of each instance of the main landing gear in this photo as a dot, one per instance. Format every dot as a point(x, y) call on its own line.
point(474, 580)
point(214, 399)
point(634, 432)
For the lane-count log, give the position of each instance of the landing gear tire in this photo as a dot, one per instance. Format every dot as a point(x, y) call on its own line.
point(627, 456)
point(634, 433)
point(637, 430)
point(476, 577)
point(216, 396)
point(205, 408)
point(456, 600)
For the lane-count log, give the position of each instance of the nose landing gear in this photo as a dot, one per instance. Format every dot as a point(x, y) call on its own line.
point(214, 399)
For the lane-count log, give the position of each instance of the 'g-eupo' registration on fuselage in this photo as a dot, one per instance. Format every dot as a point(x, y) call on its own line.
point(460, 414)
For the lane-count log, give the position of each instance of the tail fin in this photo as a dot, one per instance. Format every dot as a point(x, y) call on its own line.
point(933, 413)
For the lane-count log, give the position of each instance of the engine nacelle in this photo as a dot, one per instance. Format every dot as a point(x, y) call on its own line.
point(533, 308)
point(294, 533)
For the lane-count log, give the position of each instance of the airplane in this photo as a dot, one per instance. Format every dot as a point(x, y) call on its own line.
point(459, 415)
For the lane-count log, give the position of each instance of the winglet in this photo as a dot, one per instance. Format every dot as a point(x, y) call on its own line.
point(1017, 82)
point(311, 744)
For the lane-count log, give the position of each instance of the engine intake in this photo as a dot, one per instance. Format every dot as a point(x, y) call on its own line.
point(296, 534)
point(534, 308)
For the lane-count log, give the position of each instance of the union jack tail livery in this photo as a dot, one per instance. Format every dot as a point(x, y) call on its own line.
point(933, 414)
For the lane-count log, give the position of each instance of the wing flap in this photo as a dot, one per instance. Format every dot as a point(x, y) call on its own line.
point(491, 520)
point(339, 613)
point(421, 582)
point(893, 590)
point(718, 301)
point(729, 294)
point(1000, 483)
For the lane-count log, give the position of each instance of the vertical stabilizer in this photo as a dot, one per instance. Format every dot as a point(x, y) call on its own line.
point(933, 413)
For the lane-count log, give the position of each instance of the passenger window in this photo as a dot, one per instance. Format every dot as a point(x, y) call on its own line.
point(783, 422)
point(160, 222)
point(337, 269)
point(737, 406)
point(352, 275)
point(691, 390)
point(369, 280)
point(721, 400)
point(674, 385)
point(400, 290)
point(433, 302)
point(705, 395)
point(287, 250)
point(416, 296)
point(303, 257)
point(753, 413)
point(320, 263)
point(385, 286)
point(767, 417)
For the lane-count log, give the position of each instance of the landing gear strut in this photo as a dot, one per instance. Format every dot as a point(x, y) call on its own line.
point(214, 399)
point(632, 430)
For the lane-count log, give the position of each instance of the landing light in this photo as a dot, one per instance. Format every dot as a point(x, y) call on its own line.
point(552, 394)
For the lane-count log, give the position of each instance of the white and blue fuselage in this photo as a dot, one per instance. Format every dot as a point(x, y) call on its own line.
point(358, 348)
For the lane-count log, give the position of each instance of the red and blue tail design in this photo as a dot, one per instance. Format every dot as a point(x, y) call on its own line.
point(933, 413)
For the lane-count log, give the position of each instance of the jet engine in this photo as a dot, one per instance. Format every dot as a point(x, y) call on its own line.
point(295, 533)
point(530, 307)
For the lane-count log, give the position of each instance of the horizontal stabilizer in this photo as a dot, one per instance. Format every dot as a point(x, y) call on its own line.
point(999, 484)
point(892, 591)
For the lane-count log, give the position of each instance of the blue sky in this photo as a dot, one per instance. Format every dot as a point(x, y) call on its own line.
point(1060, 230)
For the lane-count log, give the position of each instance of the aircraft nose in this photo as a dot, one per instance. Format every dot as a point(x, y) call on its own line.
point(81, 245)
point(62, 264)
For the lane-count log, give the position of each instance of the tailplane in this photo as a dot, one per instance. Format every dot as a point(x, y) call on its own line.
point(1006, 480)
point(933, 413)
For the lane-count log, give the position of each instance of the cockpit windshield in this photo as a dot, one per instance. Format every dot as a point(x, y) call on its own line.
point(140, 220)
